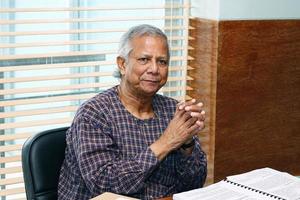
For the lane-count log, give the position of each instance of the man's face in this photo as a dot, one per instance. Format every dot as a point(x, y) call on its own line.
point(146, 70)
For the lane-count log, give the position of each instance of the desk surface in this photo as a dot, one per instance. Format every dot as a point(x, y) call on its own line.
point(112, 196)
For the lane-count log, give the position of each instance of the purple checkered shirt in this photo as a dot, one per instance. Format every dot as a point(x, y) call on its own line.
point(108, 150)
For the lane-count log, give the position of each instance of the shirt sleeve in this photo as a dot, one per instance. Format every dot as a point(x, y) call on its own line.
point(192, 169)
point(101, 164)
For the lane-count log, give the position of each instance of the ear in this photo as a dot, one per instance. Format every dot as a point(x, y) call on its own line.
point(121, 64)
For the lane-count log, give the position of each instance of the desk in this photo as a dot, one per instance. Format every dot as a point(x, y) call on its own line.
point(112, 196)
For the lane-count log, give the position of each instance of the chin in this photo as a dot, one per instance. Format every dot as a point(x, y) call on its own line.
point(150, 92)
point(150, 89)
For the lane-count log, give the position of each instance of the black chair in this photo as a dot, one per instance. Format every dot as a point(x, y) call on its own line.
point(42, 157)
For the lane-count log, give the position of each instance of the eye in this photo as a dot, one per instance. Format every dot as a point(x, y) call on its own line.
point(143, 60)
point(162, 62)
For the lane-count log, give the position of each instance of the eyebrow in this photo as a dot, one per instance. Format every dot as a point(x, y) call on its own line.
point(159, 57)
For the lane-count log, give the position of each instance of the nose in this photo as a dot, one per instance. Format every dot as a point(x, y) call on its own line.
point(153, 68)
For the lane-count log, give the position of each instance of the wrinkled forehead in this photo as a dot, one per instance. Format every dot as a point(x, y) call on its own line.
point(150, 44)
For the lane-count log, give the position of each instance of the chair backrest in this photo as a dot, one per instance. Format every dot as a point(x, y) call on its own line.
point(42, 157)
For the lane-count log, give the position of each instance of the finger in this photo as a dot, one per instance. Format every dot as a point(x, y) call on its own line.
point(200, 116)
point(183, 115)
point(188, 103)
point(179, 113)
point(194, 130)
point(200, 124)
point(191, 121)
point(194, 108)
point(198, 128)
point(180, 105)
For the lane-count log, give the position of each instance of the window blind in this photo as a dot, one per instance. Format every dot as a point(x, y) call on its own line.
point(55, 57)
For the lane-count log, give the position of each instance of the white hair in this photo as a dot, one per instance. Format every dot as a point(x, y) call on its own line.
point(125, 46)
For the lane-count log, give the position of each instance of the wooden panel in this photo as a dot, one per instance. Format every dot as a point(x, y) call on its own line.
point(204, 53)
point(258, 97)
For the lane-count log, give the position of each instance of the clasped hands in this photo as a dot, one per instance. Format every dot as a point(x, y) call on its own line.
point(188, 120)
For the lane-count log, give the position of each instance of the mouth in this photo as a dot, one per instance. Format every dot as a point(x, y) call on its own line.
point(151, 81)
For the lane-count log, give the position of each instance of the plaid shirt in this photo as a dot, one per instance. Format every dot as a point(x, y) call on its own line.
point(108, 150)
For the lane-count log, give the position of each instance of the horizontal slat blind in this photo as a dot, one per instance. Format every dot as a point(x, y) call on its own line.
point(43, 21)
point(75, 42)
point(76, 31)
point(97, 8)
point(54, 58)
point(10, 170)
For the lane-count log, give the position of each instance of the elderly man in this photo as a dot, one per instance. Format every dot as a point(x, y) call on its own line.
point(130, 140)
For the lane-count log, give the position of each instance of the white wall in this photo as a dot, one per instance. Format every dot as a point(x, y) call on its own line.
point(246, 9)
point(207, 9)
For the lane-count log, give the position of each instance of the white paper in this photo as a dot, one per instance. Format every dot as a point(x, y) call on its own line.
point(219, 191)
point(258, 183)
point(271, 181)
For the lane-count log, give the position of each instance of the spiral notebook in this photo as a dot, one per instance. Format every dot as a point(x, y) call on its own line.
point(260, 184)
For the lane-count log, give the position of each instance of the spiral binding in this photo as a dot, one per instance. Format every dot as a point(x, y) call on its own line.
point(255, 190)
